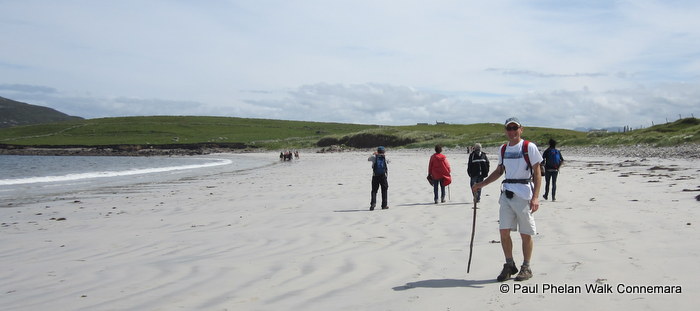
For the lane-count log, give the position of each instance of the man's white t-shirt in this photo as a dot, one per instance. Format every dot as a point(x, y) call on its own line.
point(516, 168)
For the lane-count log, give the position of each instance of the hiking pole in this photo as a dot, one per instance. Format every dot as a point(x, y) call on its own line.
point(471, 243)
point(449, 194)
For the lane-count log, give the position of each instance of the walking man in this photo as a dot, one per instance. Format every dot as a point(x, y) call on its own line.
point(477, 168)
point(519, 161)
point(380, 171)
point(553, 160)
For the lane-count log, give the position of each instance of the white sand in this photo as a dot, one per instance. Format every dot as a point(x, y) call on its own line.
point(298, 236)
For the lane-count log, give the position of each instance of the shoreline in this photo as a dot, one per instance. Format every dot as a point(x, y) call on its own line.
point(126, 149)
point(102, 174)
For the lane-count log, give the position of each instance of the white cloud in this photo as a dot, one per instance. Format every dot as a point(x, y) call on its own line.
point(636, 107)
point(376, 103)
point(608, 62)
point(399, 105)
point(91, 106)
point(25, 88)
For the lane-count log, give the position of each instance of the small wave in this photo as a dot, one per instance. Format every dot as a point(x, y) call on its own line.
point(80, 176)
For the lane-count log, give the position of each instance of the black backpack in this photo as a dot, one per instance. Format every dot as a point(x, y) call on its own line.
point(478, 165)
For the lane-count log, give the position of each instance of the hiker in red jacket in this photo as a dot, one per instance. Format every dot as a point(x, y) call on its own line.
point(439, 172)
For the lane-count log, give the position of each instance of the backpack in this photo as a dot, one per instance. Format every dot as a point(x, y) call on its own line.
point(553, 158)
point(379, 166)
point(477, 165)
point(525, 154)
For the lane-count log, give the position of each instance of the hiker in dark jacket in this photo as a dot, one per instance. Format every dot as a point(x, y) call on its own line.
point(477, 168)
point(553, 160)
point(380, 171)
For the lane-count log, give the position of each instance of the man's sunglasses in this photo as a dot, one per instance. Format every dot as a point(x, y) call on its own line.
point(512, 128)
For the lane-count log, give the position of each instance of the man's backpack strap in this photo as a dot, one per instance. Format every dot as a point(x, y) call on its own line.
point(503, 157)
point(526, 154)
point(503, 152)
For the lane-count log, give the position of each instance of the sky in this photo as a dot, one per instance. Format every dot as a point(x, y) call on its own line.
point(552, 63)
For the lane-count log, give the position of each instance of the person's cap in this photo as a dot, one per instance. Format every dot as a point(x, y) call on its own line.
point(380, 149)
point(513, 120)
point(477, 146)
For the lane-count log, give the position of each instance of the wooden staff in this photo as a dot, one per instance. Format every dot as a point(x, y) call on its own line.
point(471, 244)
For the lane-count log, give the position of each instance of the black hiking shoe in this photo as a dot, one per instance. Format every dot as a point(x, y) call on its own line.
point(385, 207)
point(371, 207)
point(507, 272)
point(525, 274)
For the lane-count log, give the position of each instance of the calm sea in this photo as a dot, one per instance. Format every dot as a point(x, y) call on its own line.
point(30, 178)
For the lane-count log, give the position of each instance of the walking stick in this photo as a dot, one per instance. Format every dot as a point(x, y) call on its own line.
point(471, 243)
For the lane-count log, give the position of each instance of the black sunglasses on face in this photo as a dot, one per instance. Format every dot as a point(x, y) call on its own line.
point(512, 128)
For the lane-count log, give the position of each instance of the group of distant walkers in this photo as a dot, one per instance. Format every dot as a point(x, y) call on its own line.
point(523, 166)
point(287, 155)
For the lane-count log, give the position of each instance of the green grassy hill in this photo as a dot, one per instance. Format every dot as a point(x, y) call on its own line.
point(168, 130)
point(13, 113)
point(279, 134)
point(680, 132)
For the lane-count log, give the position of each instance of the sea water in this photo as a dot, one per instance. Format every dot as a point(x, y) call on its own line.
point(31, 178)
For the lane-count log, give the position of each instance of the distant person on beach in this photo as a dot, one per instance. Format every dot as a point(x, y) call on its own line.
point(519, 160)
point(439, 172)
point(380, 172)
point(477, 168)
point(553, 160)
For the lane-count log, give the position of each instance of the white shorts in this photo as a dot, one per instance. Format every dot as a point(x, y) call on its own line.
point(515, 214)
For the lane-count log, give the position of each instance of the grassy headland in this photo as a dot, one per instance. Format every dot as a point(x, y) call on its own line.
point(230, 132)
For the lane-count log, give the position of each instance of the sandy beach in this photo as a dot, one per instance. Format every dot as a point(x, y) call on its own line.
point(299, 236)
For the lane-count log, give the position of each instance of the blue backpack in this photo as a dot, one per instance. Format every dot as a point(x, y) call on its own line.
point(553, 158)
point(379, 165)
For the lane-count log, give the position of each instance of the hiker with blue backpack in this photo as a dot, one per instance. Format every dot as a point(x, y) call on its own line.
point(519, 161)
point(553, 160)
point(380, 171)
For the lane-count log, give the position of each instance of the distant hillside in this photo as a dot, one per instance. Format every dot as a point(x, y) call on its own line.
point(230, 132)
point(13, 113)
